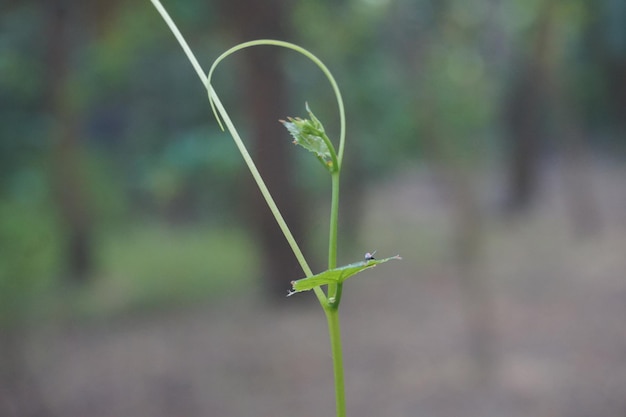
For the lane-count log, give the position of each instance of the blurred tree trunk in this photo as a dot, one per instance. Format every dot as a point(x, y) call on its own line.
point(543, 80)
point(455, 172)
point(523, 117)
point(570, 130)
point(576, 171)
point(468, 254)
point(615, 69)
point(608, 35)
point(266, 96)
point(67, 151)
point(551, 75)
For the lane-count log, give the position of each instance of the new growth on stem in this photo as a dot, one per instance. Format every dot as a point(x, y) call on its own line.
point(310, 134)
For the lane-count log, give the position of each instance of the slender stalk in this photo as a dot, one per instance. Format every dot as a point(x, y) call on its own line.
point(334, 298)
point(309, 55)
point(330, 304)
point(332, 317)
point(263, 188)
point(334, 220)
point(334, 291)
point(216, 103)
point(181, 40)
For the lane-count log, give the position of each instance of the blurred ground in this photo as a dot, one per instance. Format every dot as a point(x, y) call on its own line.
point(560, 338)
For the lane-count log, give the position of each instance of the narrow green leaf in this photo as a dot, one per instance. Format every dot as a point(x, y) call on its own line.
point(336, 275)
point(309, 133)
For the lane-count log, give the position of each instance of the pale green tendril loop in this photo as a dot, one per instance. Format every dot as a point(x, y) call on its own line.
point(219, 108)
point(306, 53)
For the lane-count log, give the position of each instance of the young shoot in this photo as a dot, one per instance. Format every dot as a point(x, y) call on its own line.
point(308, 133)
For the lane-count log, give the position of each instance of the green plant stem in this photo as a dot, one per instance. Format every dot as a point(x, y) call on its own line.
point(334, 291)
point(181, 40)
point(216, 103)
point(334, 221)
point(332, 317)
point(333, 294)
point(264, 191)
point(330, 304)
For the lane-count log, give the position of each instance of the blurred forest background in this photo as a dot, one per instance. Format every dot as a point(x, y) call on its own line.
point(486, 142)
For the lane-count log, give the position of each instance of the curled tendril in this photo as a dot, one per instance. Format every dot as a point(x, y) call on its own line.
point(218, 110)
point(299, 49)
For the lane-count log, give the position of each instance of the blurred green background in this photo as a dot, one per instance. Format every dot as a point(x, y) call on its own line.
point(120, 195)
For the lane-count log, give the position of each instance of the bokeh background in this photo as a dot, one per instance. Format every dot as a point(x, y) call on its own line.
point(141, 274)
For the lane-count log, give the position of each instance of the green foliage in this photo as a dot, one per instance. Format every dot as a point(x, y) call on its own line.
point(29, 256)
point(309, 133)
point(417, 68)
point(336, 275)
point(106, 196)
point(414, 71)
point(199, 159)
point(148, 266)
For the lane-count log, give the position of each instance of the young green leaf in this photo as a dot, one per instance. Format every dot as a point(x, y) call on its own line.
point(309, 133)
point(336, 275)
